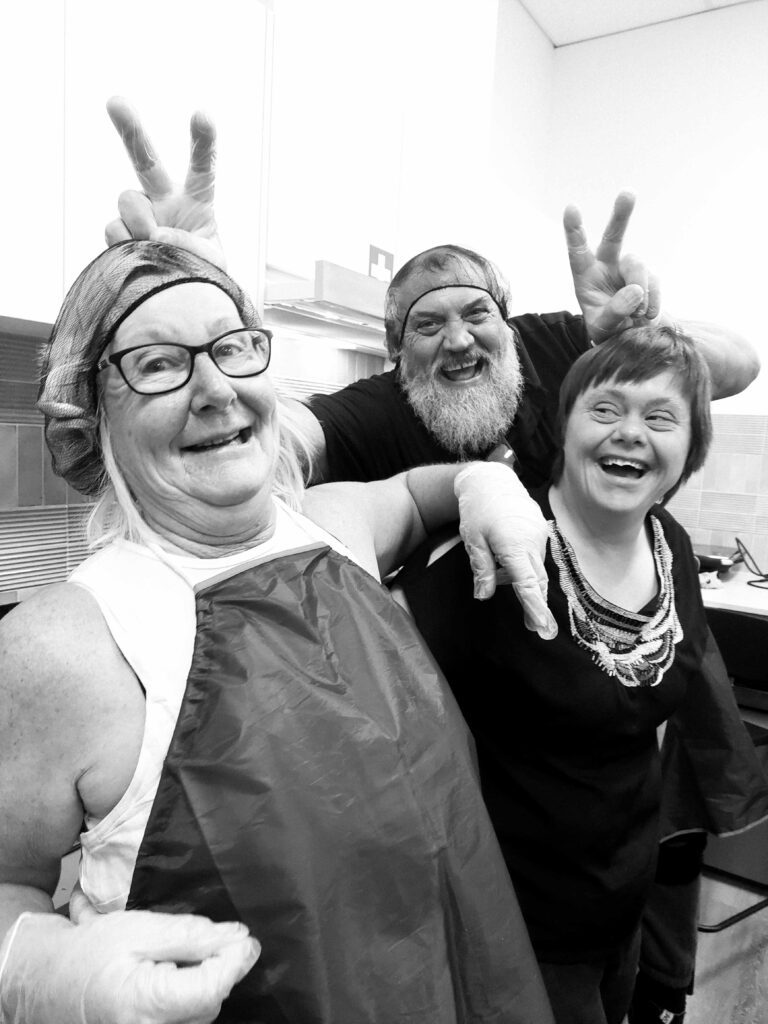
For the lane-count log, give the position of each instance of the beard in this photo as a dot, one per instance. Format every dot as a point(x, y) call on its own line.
point(466, 421)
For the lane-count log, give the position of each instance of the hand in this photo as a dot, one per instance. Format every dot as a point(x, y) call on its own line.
point(120, 968)
point(163, 211)
point(501, 522)
point(614, 291)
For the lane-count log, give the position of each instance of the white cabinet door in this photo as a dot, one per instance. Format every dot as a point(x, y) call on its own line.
point(168, 58)
point(31, 162)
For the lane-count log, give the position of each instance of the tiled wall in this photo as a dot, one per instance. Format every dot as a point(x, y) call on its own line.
point(41, 518)
point(729, 496)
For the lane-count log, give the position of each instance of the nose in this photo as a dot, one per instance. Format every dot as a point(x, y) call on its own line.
point(211, 389)
point(630, 429)
point(456, 336)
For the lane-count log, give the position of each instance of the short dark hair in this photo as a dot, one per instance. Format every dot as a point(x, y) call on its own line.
point(638, 354)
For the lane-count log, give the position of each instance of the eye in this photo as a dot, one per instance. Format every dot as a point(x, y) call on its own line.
point(478, 315)
point(661, 419)
point(605, 412)
point(155, 359)
point(427, 326)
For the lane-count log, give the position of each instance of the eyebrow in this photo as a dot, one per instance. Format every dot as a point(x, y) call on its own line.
point(620, 391)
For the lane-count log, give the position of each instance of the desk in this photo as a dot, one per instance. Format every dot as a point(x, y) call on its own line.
point(735, 595)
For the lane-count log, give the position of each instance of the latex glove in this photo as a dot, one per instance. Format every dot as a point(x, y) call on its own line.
point(164, 211)
point(121, 968)
point(501, 522)
point(614, 291)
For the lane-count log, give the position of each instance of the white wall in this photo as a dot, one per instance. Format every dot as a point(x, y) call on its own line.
point(385, 130)
point(63, 164)
point(678, 111)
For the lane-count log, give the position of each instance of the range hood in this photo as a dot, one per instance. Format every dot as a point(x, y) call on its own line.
point(341, 306)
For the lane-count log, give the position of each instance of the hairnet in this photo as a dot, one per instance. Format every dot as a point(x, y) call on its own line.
point(104, 294)
point(444, 266)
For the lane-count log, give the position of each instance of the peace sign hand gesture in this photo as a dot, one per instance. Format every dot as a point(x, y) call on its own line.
point(613, 290)
point(164, 211)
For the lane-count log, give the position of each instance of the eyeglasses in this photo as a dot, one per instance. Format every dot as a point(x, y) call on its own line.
point(743, 554)
point(158, 368)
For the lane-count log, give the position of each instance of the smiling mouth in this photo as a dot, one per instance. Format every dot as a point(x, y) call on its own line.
point(626, 469)
point(236, 438)
point(463, 372)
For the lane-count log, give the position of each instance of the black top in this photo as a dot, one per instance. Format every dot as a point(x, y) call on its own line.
point(371, 431)
point(568, 755)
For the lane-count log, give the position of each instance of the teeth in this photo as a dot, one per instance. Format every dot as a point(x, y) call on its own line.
point(623, 462)
point(218, 442)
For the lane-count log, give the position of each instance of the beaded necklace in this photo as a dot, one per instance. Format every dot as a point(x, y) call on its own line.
point(637, 649)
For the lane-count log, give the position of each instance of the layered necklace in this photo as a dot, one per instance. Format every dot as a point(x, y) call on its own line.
point(636, 649)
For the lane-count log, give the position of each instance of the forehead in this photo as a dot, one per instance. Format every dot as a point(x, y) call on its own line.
point(666, 387)
point(193, 309)
point(449, 300)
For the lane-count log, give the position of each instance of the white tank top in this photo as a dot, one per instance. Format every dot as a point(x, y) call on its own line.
point(147, 598)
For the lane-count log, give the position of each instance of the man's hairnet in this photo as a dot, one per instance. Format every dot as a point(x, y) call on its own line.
point(104, 294)
point(444, 266)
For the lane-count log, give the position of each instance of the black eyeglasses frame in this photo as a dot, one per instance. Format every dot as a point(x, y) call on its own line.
point(194, 350)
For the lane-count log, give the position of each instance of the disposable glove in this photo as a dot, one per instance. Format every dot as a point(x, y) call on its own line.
point(127, 967)
point(501, 523)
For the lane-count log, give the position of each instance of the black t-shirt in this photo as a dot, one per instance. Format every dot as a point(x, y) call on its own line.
point(568, 755)
point(371, 431)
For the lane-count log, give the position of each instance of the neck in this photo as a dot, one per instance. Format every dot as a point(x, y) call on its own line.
point(215, 534)
point(598, 527)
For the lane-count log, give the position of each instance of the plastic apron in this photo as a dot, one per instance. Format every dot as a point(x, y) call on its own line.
point(320, 786)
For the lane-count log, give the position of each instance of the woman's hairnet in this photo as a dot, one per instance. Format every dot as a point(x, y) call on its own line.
point(104, 294)
point(444, 266)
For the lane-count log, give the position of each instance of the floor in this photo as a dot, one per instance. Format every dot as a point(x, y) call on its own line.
point(732, 965)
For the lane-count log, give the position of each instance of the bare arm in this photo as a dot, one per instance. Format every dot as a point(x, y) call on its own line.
point(70, 727)
point(382, 522)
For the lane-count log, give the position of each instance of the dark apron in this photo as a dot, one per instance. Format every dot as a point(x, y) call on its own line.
point(321, 787)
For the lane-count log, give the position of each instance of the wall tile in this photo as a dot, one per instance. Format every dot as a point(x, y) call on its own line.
point(9, 478)
point(733, 471)
point(54, 488)
point(727, 512)
point(30, 466)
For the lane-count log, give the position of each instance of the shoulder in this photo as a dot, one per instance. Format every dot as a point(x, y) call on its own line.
point(344, 510)
point(381, 390)
point(57, 654)
point(551, 336)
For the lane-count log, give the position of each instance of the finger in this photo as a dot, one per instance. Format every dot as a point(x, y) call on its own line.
point(526, 572)
point(634, 271)
point(610, 245)
point(116, 231)
point(178, 994)
point(616, 314)
point(483, 566)
point(136, 213)
point(580, 255)
point(653, 309)
point(152, 176)
point(80, 907)
point(202, 157)
point(182, 938)
point(208, 248)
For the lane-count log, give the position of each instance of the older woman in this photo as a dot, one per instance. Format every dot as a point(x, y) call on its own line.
point(571, 771)
point(248, 726)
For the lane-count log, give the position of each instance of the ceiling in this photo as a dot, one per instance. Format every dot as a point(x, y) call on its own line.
point(573, 21)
